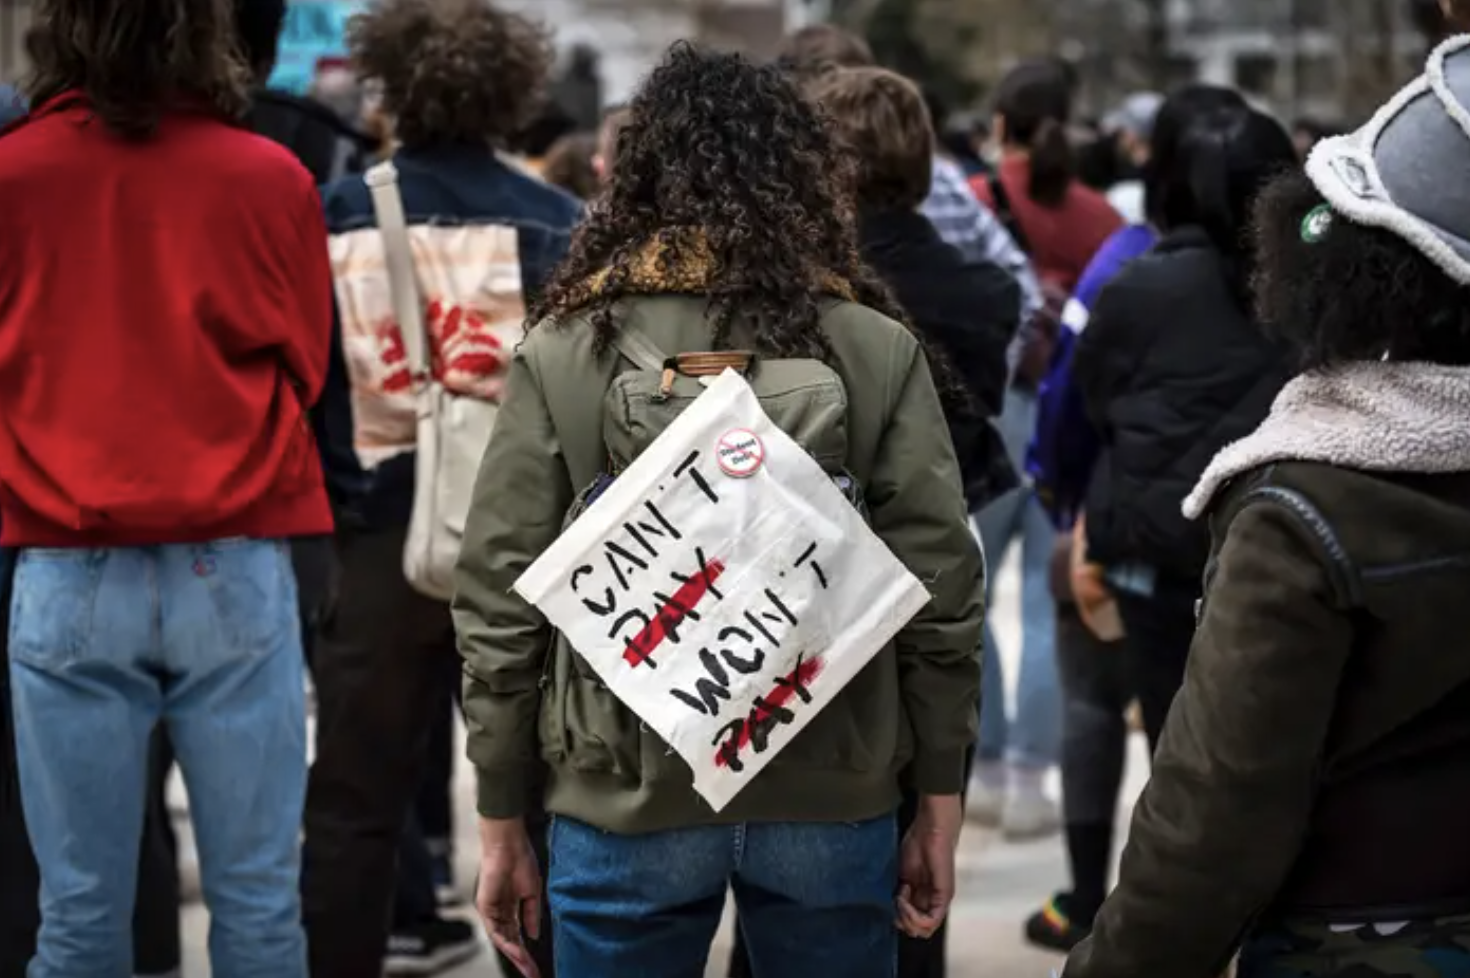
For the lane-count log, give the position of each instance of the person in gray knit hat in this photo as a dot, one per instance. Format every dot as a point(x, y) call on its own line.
point(1311, 791)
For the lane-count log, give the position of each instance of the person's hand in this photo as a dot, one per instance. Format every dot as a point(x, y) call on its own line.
point(926, 865)
point(509, 895)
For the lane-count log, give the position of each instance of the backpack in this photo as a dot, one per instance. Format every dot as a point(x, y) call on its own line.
point(687, 497)
point(804, 398)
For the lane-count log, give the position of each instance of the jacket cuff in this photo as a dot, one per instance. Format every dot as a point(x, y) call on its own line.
point(503, 792)
point(940, 772)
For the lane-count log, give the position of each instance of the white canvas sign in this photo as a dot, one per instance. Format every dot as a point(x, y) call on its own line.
point(724, 588)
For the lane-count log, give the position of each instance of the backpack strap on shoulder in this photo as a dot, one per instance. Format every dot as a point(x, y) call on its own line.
point(640, 351)
point(1005, 213)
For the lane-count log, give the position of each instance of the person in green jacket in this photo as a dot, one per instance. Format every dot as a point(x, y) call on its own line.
point(727, 224)
point(1310, 801)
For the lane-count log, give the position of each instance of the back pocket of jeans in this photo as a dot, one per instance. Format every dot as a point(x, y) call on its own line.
point(252, 595)
point(52, 608)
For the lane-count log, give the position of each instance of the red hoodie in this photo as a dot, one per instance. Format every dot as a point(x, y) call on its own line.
point(165, 321)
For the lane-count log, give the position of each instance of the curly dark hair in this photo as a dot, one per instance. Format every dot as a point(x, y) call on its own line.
point(1358, 293)
point(137, 59)
point(454, 72)
point(733, 150)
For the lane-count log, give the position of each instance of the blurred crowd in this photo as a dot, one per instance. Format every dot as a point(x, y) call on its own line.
point(1205, 370)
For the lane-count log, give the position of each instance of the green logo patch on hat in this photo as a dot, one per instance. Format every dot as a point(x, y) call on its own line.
point(1316, 224)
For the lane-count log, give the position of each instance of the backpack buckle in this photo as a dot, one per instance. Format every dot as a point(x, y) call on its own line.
point(666, 385)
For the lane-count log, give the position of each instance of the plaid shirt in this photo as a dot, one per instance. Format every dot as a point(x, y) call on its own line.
point(967, 224)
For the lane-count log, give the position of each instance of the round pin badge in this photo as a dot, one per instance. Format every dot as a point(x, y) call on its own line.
point(740, 453)
point(1316, 224)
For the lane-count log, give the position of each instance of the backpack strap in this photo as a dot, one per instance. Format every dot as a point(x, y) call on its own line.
point(382, 182)
point(640, 350)
point(1005, 212)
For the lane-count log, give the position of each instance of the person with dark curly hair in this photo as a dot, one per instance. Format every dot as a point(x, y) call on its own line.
point(727, 226)
point(459, 79)
point(165, 326)
point(1312, 787)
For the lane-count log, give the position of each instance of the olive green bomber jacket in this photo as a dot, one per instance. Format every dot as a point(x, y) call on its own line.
point(527, 700)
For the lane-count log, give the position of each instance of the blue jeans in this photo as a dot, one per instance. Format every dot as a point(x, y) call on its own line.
point(1032, 736)
point(814, 899)
point(105, 644)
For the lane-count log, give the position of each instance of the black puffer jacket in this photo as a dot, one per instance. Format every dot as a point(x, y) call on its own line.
point(968, 311)
point(1173, 368)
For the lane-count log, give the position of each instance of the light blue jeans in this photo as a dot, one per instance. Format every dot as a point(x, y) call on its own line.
point(103, 645)
point(814, 899)
point(1031, 737)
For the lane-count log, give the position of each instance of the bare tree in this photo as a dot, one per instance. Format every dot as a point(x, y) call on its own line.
point(1156, 43)
point(1369, 37)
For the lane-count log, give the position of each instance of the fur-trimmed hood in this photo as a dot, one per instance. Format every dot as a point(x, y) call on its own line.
point(1378, 417)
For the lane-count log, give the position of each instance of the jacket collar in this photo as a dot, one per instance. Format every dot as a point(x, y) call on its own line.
point(1183, 238)
point(1379, 416)
point(676, 260)
point(892, 225)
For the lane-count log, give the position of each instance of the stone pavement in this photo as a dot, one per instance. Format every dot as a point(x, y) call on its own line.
point(999, 885)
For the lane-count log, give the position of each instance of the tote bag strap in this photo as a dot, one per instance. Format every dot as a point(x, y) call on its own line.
point(382, 182)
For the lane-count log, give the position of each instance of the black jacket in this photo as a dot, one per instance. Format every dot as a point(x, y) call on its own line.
point(324, 144)
point(968, 311)
point(1173, 369)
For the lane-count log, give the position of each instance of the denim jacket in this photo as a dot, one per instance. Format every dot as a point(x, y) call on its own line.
point(445, 190)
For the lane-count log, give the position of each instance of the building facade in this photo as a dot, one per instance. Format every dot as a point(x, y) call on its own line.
point(1333, 60)
point(629, 35)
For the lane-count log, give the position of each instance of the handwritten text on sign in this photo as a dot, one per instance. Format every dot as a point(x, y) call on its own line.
point(724, 588)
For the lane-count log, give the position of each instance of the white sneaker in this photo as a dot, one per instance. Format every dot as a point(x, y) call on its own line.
point(1029, 814)
point(986, 800)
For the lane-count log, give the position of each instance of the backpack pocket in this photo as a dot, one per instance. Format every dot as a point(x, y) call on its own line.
point(804, 398)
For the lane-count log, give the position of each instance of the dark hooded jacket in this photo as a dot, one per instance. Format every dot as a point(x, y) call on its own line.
point(1173, 368)
point(325, 145)
point(969, 311)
